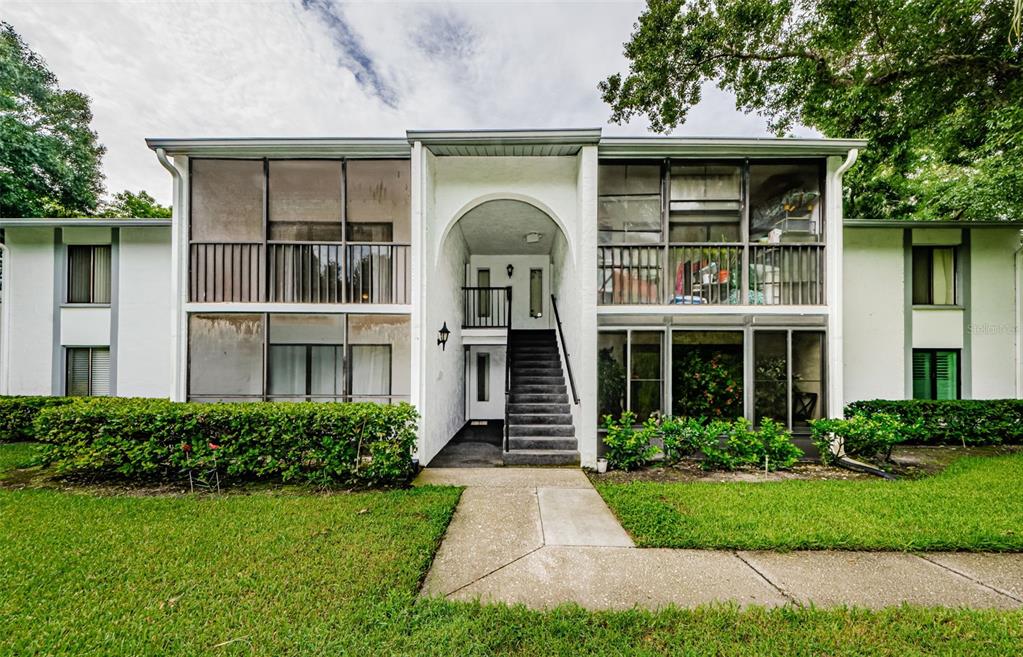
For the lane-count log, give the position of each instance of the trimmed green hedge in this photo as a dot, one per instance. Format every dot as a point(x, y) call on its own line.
point(158, 440)
point(17, 415)
point(952, 422)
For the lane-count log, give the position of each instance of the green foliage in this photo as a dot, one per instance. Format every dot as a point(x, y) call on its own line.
point(50, 159)
point(935, 85)
point(18, 413)
point(951, 422)
point(128, 204)
point(708, 386)
point(721, 445)
point(628, 448)
point(861, 436)
point(687, 436)
point(156, 440)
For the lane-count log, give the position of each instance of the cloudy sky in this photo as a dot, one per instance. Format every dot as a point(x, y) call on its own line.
point(202, 68)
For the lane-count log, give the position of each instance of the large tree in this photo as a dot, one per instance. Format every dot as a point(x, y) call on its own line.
point(49, 156)
point(935, 85)
point(130, 204)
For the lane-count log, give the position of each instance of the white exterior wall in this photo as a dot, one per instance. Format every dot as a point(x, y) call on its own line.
point(874, 288)
point(994, 320)
point(29, 311)
point(520, 284)
point(143, 313)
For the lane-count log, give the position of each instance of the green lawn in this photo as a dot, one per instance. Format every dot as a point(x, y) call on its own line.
point(16, 455)
point(298, 573)
point(973, 505)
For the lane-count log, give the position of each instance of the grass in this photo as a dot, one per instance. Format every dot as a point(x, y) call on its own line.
point(16, 455)
point(306, 574)
point(972, 505)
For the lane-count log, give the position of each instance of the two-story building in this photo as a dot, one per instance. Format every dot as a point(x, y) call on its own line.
point(534, 280)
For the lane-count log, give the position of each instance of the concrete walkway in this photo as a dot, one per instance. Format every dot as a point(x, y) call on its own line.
point(544, 537)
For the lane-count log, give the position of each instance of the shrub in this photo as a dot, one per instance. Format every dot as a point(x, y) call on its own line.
point(152, 439)
point(728, 445)
point(952, 422)
point(688, 436)
point(629, 448)
point(17, 415)
point(866, 437)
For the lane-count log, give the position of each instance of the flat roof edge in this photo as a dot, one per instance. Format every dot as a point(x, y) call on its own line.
point(87, 222)
point(292, 146)
point(556, 136)
point(727, 146)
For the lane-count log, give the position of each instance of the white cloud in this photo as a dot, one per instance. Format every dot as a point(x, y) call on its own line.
point(315, 68)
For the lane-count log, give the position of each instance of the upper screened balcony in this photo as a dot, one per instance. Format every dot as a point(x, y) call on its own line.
point(299, 231)
point(720, 233)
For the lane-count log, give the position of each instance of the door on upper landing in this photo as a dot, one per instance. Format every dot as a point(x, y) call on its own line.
point(530, 281)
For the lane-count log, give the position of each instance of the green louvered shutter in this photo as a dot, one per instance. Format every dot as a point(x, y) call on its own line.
point(922, 368)
point(946, 374)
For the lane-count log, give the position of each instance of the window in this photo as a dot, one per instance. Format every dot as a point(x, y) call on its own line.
point(536, 293)
point(88, 372)
point(706, 374)
point(934, 275)
point(629, 204)
point(304, 200)
point(936, 374)
point(629, 373)
point(788, 377)
point(88, 279)
point(485, 300)
point(706, 203)
point(227, 200)
point(645, 381)
point(370, 232)
point(785, 202)
point(369, 378)
point(483, 377)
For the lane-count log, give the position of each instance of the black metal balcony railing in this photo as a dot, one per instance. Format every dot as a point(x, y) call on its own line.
point(711, 273)
point(300, 272)
point(486, 307)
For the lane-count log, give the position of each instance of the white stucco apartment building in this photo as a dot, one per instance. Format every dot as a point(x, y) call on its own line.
point(533, 280)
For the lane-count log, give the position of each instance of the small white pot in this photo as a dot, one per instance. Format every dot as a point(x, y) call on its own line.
point(601, 466)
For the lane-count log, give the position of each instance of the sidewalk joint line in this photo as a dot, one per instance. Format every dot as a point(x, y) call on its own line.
point(539, 517)
point(785, 594)
point(486, 575)
point(969, 578)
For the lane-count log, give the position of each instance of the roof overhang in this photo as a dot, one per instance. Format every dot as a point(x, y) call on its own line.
point(704, 147)
point(84, 222)
point(903, 223)
point(521, 143)
point(284, 147)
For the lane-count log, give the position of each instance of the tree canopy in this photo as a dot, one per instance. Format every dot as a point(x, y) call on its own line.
point(130, 204)
point(935, 85)
point(50, 158)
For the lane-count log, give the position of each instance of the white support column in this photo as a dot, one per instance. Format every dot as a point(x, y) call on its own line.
point(585, 358)
point(417, 278)
point(179, 282)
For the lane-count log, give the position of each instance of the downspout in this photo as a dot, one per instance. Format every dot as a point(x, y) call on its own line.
point(175, 332)
point(836, 328)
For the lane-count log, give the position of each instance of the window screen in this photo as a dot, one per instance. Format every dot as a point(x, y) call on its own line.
point(88, 279)
point(88, 372)
point(305, 200)
point(227, 200)
point(629, 203)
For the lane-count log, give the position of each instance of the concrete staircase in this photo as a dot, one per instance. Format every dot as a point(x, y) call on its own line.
point(540, 430)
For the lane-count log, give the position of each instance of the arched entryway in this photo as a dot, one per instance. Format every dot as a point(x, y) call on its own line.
point(516, 396)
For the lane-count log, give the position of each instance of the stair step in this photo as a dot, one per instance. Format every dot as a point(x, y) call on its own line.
point(516, 408)
point(533, 380)
point(536, 370)
point(539, 418)
point(541, 457)
point(542, 442)
point(521, 397)
point(566, 430)
point(530, 388)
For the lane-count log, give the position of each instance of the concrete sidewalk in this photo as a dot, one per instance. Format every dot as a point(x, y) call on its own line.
point(544, 537)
